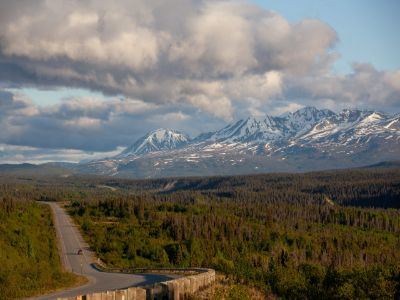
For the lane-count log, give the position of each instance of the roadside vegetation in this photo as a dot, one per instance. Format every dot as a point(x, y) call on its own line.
point(29, 261)
point(226, 288)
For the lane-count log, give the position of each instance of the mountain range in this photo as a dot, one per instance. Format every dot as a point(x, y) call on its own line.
point(306, 140)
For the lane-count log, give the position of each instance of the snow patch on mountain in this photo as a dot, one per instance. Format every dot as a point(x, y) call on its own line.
point(268, 129)
point(303, 120)
point(157, 140)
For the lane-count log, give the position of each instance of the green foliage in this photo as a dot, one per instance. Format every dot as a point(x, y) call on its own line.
point(323, 235)
point(238, 293)
point(285, 239)
point(28, 254)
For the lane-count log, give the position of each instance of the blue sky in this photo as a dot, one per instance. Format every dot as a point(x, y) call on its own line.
point(45, 97)
point(369, 30)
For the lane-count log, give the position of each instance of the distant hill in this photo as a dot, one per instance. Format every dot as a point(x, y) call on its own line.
point(385, 165)
point(42, 169)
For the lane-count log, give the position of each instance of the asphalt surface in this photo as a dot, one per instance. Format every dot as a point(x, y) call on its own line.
point(70, 242)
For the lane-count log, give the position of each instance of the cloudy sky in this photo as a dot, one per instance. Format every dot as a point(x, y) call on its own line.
point(82, 79)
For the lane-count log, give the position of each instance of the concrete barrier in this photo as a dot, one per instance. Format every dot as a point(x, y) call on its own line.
point(175, 289)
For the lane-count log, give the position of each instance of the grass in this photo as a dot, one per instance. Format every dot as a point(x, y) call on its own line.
point(29, 260)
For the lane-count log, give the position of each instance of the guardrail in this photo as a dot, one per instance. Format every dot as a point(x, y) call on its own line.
point(176, 289)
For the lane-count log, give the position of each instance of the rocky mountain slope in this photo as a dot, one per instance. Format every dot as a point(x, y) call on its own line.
point(308, 139)
point(157, 140)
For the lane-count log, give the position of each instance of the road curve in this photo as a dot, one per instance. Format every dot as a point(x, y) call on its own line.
point(70, 242)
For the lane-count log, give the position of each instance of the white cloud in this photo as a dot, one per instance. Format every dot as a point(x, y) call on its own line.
point(262, 87)
point(146, 50)
point(83, 123)
point(92, 124)
point(365, 87)
point(290, 107)
point(173, 116)
point(393, 79)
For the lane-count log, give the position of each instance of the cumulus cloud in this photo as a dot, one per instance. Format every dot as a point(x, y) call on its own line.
point(285, 108)
point(91, 124)
point(365, 87)
point(18, 104)
point(219, 50)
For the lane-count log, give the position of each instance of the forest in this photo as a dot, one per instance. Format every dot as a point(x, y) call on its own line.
point(321, 235)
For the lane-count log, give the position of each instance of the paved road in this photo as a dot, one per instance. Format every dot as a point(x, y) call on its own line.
point(71, 241)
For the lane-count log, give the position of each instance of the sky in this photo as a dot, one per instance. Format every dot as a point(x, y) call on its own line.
point(367, 29)
point(84, 79)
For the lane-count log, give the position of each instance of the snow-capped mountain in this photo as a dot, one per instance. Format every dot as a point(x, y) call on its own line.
point(157, 140)
point(349, 127)
point(308, 139)
point(269, 128)
point(245, 131)
point(302, 120)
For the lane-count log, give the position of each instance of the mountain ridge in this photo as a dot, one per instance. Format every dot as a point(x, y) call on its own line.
point(157, 140)
point(306, 140)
